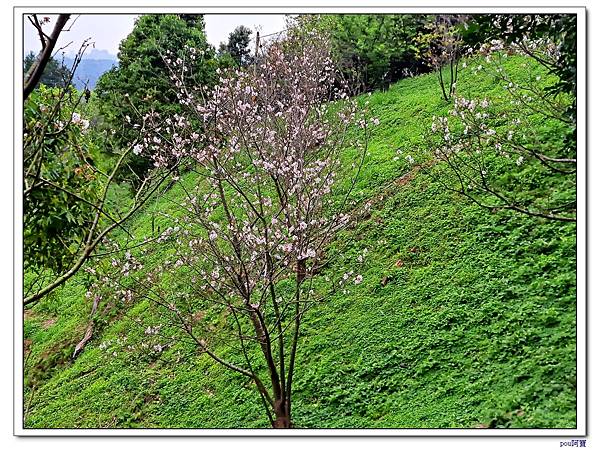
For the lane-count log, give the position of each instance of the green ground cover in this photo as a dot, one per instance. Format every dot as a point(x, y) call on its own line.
point(465, 318)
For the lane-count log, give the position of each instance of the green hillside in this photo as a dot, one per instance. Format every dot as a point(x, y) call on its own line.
point(465, 318)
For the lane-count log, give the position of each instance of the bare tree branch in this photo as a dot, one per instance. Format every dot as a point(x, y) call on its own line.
point(37, 69)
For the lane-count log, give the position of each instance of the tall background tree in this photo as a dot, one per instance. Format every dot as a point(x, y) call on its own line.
point(141, 83)
point(55, 74)
point(238, 45)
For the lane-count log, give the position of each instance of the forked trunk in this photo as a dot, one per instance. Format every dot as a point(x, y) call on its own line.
point(282, 415)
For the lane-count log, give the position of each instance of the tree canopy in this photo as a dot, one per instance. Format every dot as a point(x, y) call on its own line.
point(238, 45)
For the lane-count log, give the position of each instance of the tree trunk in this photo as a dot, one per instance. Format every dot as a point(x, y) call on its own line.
point(282, 416)
point(441, 79)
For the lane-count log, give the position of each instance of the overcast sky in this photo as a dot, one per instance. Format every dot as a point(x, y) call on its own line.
point(107, 30)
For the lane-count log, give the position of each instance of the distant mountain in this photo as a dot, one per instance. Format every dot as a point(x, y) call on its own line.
point(100, 54)
point(91, 67)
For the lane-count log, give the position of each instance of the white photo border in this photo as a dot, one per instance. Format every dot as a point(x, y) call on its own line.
point(582, 236)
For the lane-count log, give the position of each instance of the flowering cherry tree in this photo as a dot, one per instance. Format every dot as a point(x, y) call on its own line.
point(490, 149)
point(445, 48)
point(245, 244)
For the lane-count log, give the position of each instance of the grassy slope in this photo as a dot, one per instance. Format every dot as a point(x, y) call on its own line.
point(476, 328)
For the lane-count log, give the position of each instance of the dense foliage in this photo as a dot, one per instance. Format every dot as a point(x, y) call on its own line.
point(376, 49)
point(56, 161)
